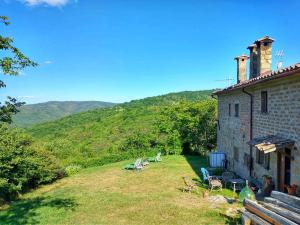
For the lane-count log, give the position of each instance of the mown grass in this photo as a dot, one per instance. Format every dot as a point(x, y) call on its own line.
point(110, 195)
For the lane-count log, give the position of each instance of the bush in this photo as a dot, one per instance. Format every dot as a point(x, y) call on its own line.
point(72, 169)
point(21, 166)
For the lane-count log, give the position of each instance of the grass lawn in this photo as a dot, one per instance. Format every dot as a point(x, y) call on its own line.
point(109, 195)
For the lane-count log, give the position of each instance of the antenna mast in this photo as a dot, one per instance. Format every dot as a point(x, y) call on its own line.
point(279, 55)
point(228, 80)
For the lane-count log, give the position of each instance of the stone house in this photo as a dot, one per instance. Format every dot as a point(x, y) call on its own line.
point(259, 118)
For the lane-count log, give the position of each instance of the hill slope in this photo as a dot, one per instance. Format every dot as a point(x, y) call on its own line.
point(43, 112)
point(107, 135)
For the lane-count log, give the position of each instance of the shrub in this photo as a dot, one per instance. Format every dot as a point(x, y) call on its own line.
point(72, 169)
point(21, 166)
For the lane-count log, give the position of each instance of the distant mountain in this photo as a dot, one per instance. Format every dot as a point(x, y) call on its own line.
point(43, 112)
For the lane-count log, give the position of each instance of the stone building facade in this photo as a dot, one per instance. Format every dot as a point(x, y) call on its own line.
point(259, 119)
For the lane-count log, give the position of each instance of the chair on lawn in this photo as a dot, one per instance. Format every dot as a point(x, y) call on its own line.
point(135, 166)
point(157, 158)
point(226, 177)
point(190, 185)
point(213, 181)
point(145, 162)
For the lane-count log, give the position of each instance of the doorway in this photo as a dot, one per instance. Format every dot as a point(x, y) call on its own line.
point(283, 169)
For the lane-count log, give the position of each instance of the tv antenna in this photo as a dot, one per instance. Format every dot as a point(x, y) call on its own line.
point(228, 80)
point(279, 55)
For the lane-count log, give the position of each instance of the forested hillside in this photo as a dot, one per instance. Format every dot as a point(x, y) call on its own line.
point(164, 123)
point(43, 112)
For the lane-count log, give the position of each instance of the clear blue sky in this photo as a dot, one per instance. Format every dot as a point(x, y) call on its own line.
point(118, 50)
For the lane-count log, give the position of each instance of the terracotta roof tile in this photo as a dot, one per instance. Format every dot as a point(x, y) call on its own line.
point(283, 72)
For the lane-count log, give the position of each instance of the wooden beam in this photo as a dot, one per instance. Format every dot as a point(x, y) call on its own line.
point(281, 204)
point(253, 218)
point(288, 199)
point(283, 212)
point(266, 214)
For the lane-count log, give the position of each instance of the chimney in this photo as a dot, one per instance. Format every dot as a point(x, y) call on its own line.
point(253, 61)
point(264, 55)
point(241, 68)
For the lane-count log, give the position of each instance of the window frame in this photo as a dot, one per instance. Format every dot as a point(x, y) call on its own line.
point(229, 109)
point(236, 110)
point(236, 154)
point(264, 102)
point(263, 159)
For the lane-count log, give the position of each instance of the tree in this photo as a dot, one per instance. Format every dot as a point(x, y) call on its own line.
point(194, 123)
point(11, 64)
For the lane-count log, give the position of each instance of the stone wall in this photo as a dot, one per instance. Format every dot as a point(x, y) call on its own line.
point(283, 118)
point(234, 131)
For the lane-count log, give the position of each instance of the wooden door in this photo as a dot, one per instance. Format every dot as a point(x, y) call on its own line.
point(280, 171)
point(283, 169)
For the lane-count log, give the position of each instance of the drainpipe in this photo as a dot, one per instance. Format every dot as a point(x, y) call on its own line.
point(251, 128)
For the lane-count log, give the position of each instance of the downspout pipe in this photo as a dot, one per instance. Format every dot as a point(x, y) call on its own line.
point(251, 128)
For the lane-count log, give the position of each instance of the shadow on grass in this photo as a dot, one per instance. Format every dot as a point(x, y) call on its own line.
point(196, 162)
point(25, 211)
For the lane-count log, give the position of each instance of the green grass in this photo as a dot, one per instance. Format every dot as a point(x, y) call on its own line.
point(110, 195)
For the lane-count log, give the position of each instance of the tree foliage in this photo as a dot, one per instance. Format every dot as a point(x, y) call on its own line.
point(193, 123)
point(22, 167)
point(11, 63)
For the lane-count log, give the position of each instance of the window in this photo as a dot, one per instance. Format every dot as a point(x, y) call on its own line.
point(264, 101)
point(236, 110)
point(247, 160)
point(236, 154)
point(263, 159)
point(229, 109)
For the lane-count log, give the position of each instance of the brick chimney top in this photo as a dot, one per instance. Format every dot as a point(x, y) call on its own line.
point(242, 57)
point(265, 39)
point(250, 47)
point(241, 67)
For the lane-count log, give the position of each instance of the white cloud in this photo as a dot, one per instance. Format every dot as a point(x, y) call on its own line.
point(26, 97)
point(54, 3)
point(48, 62)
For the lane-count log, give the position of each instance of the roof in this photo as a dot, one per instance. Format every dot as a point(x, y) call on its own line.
point(271, 143)
point(281, 73)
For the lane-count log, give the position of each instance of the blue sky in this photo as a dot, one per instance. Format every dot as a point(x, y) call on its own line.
point(119, 50)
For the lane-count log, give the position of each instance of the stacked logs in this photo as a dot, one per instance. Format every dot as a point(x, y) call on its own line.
point(279, 209)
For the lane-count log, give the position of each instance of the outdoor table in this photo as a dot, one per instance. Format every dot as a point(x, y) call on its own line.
point(237, 184)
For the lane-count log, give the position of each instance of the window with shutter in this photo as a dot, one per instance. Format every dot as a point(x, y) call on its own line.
point(264, 101)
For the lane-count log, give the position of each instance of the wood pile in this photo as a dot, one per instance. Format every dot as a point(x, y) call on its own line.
point(279, 209)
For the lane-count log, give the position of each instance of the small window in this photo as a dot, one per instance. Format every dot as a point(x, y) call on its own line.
point(229, 109)
point(236, 110)
point(264, 101)
point(266, 44)
point(236, 154)
point(263, 159)
point(247, 160)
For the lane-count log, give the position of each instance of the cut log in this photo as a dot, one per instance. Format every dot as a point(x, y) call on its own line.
point(288, 199)
point(283, 212)
point(281, 204)
point(266, 214)
point(245, 220)
point(253, 218)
